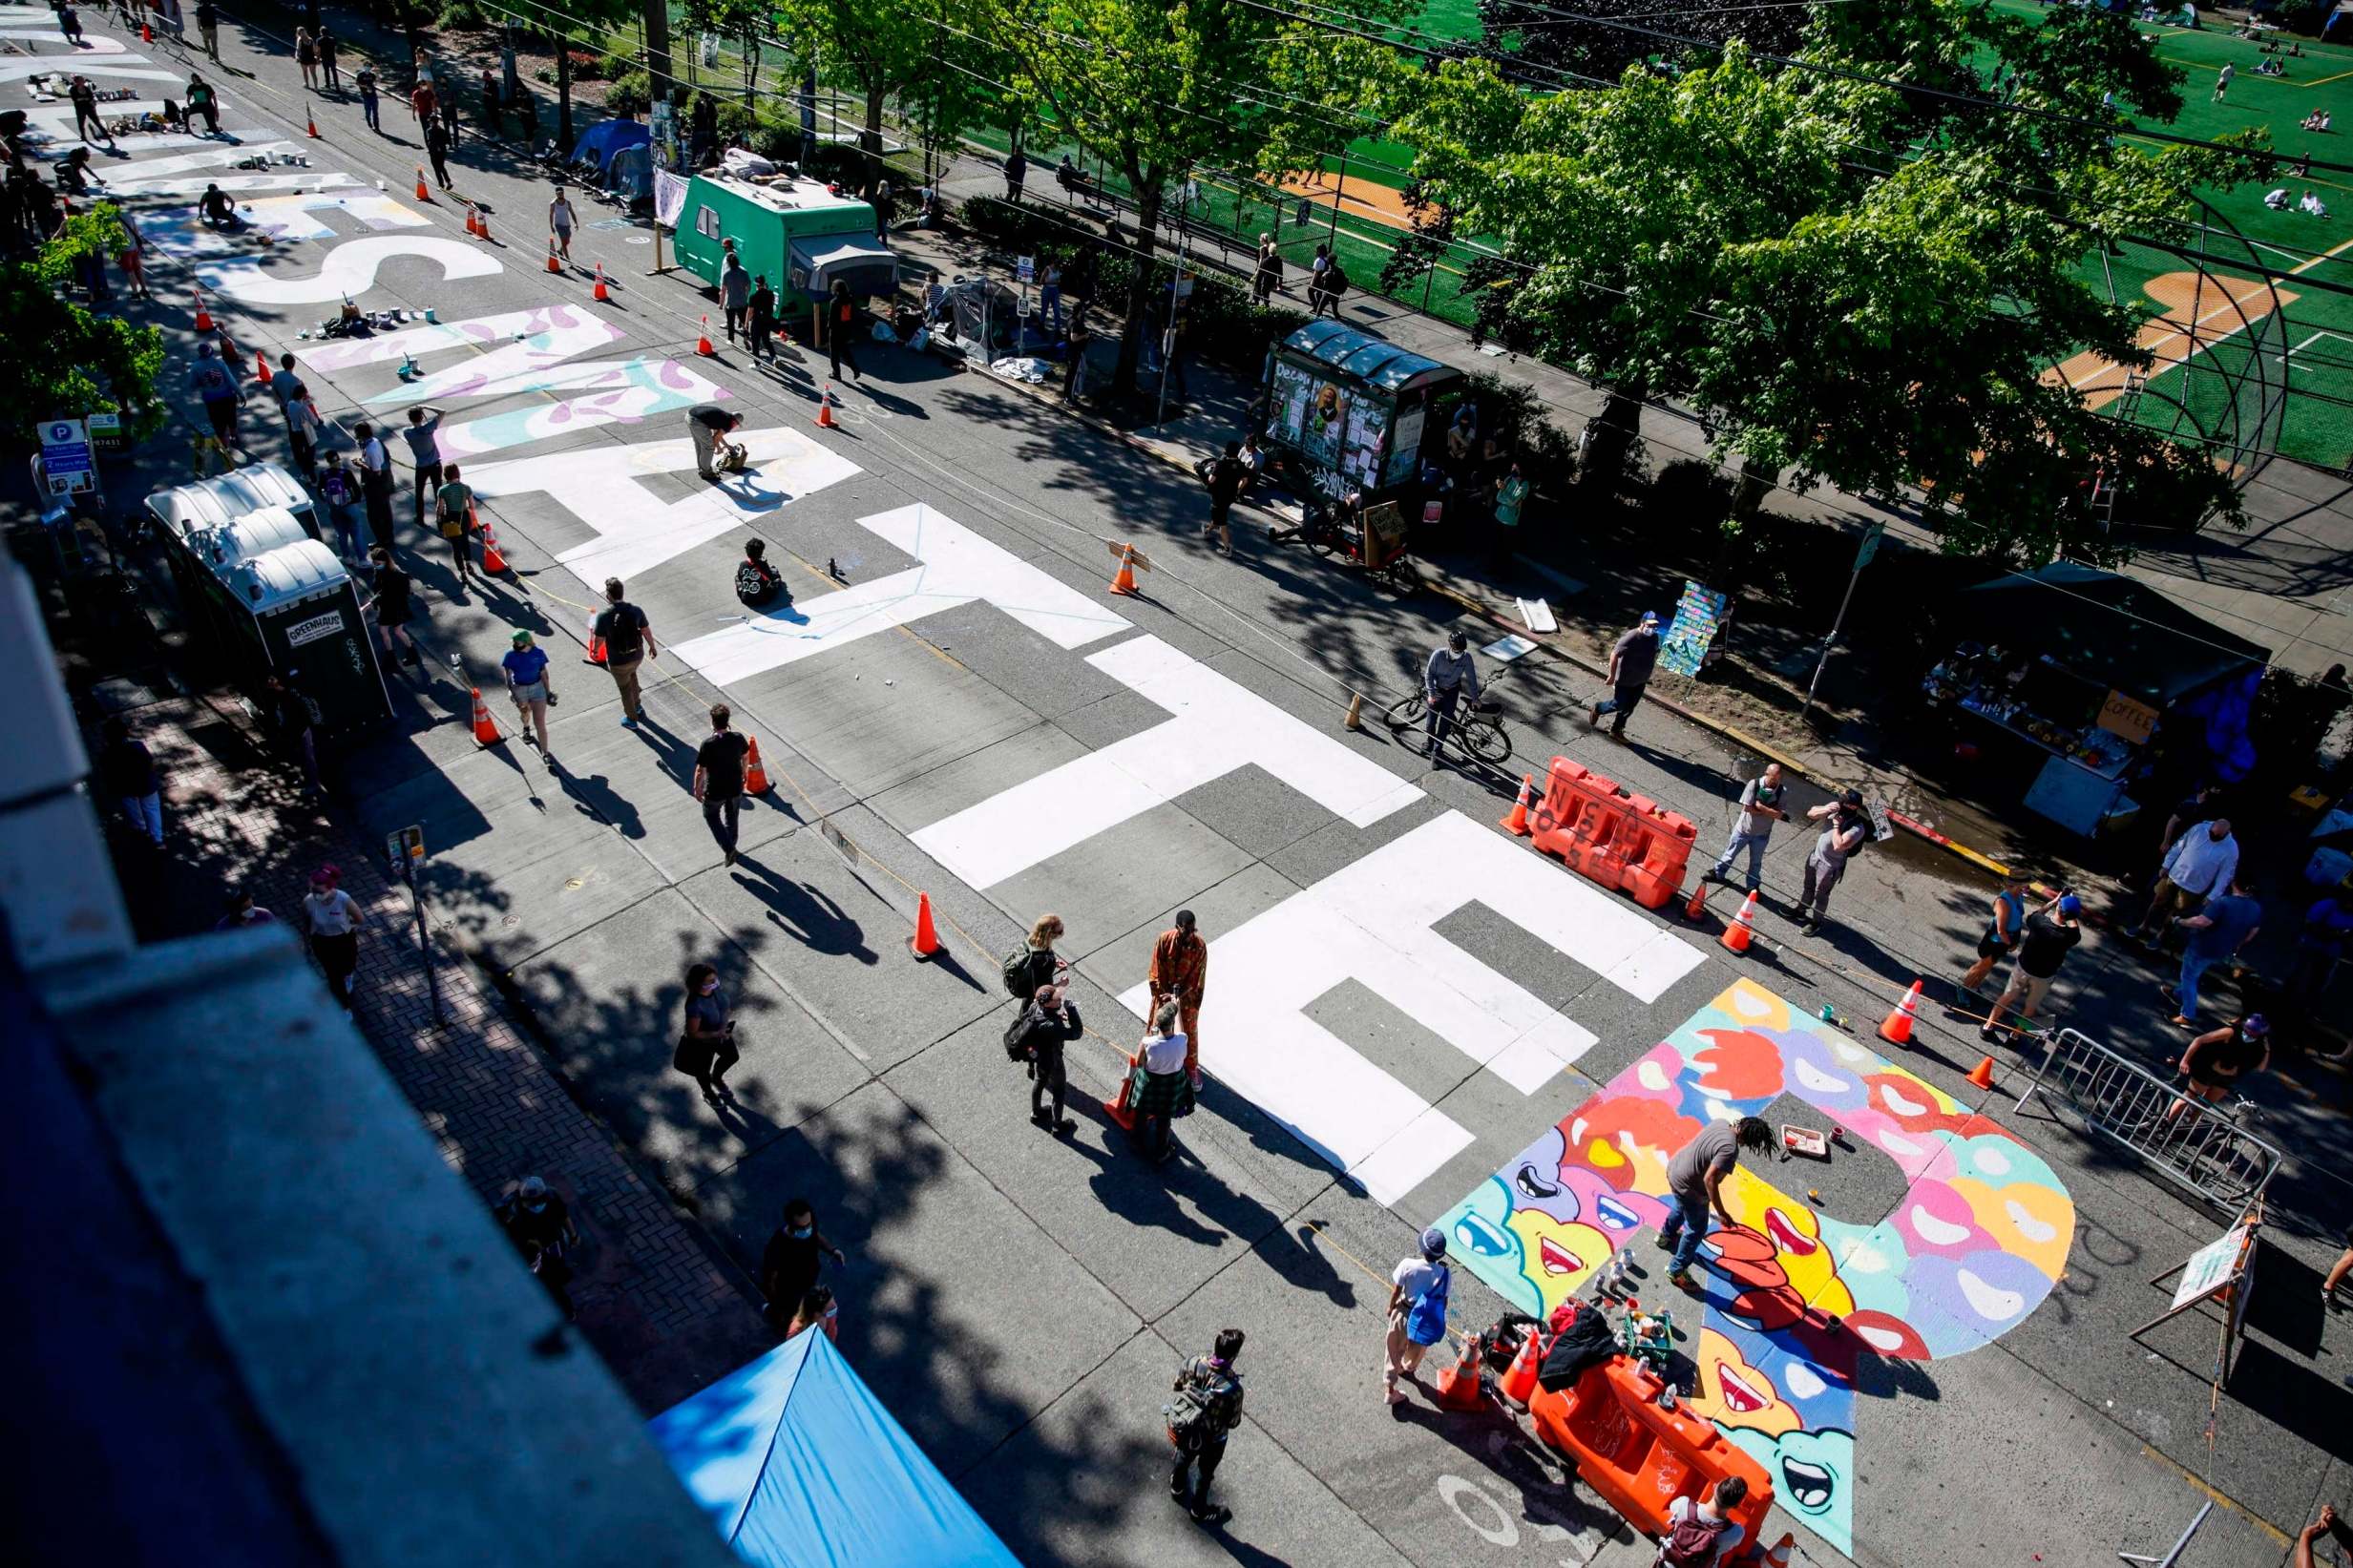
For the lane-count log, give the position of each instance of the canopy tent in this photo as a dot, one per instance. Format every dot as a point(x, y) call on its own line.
point(2112, 631)
point(800, 1466)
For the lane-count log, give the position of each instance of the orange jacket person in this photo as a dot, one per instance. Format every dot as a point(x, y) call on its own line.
point(1180, 964)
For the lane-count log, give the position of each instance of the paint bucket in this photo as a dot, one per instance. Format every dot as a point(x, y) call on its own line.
point(433, 315)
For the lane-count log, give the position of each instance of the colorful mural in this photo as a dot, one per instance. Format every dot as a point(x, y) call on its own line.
point(1976, 1242)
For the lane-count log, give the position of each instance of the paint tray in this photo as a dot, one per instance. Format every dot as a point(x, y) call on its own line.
point(1804, 1141)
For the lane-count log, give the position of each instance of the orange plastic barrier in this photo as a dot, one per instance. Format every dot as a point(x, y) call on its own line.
point(1604, 831)
point(1640, 1457)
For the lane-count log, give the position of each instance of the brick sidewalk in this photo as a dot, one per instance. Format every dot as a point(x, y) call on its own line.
point(667, 1314)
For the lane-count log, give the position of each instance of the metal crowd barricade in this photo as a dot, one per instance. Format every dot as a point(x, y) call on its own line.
point(2200, 1149)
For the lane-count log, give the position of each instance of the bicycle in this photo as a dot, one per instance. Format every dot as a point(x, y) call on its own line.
point(1477, 730)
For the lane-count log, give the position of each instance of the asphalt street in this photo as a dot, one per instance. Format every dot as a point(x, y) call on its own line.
point(1401, 997)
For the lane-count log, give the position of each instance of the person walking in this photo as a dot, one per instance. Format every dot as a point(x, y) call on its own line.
point(454, 516)
point(1315, 270)
point(1017, 170)
point(760, 327)
point(208, 29)
point(734, 291)
point(2000, 936)
point(706, 1041)
point(375, 466)
point(1050, 295)
point(1203, 1415)
point(540, 1224)
point(421, 103)
point(395, 606)
point(288, 715)
point(1849, 823)
point(525, 667)
point(327, 48)
point(2218, 933)
point(1160, 1089)
point(216, 384)
point(2223, 81)
point(1449, 678)
point(1511, 498)
point(331, 920)
point(841, 315)
point(437, 151)
point(1760, 807)
point(239, 911)
point(371, 106)
point(1179, 973)
point(1226, 476)
point(1266, 278)
point(719, 780)
point(84, 98)
point(1073, 368)
point(1418, 1290)
point(127, 775)
point(302, 415)
point(817, 1310)
point(628, 639)
point(132, 257)
point(307, 57)
point(1695, 1180)
point(2200, 866)
point(561, 221)
point(2046, 937)
point(790, 1262)
point(204, 101)
point(1037, 1037)
point(2218, 1062)
point(1034, 963)
point(708, 426)
point(1631, 661)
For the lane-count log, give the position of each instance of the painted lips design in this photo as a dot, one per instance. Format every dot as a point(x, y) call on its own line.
point(1809, 1485)
point(1740, 1396)
point(1556, 1258)
point(1787, 1237)
point(1534, 1186)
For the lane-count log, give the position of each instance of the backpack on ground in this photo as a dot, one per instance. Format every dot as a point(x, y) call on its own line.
point(1689, 1541)
point(1206, 1408)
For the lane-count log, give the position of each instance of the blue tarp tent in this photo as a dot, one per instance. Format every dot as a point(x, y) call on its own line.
point(800, 1466)
point(601, 141)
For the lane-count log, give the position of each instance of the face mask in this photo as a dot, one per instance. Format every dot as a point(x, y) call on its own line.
point(536, 1205)
point(802, 1233)
point(710, 986)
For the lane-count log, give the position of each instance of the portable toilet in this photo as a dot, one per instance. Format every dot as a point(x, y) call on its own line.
point(795, 232)
point(302, 624)
point(222, 545)
point(224, 498)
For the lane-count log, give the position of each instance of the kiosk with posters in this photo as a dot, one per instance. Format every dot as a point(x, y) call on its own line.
point(1347, 412)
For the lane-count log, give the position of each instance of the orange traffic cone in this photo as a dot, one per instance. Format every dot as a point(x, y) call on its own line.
point(1777, 1556)
point(204, 317)
point(473, 220)
point(1981, 1074)
point(702, 344)
point(1897, 1029)
point(926, 940)
point(261, 367)
point(485, 727)
point(1697, 905)
point(1520, 1381)
point(423, 195)
point(147, 34)
point(825, 408)
point(1743, 930)
point(1117, 1108)
point(595, 643)
point(1517, 820)
point(600, 292)
point(756, 782)
point(493, 559)
point(1124, 582)
point(553, 264)
point(482, 230)
point(1458, 1386)
point(312, 118)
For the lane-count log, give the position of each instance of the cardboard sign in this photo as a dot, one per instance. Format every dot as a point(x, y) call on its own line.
point(2128, 717)
point(2211, 1266)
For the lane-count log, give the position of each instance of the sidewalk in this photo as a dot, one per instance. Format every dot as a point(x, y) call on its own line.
point(667, 1314)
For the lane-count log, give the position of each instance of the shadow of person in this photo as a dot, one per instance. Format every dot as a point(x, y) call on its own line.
point(592, 796)
point(806, 915)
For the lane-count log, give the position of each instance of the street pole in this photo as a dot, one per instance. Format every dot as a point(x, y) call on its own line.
point(424, 948)
point(1339, 191)
point(1863, 557)
point(1176, 297)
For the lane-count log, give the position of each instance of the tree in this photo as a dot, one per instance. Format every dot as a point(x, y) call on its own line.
point(741, 22)
point(1534, 38)
point(65, 361)
point(877, 49)
point(1860, 282)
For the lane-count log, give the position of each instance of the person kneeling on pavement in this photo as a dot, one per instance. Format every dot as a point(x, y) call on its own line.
point(756, 583)
point(709, 424)
point(1047, 1024)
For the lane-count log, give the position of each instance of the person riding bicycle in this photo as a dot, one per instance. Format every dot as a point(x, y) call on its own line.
point(1451, 675)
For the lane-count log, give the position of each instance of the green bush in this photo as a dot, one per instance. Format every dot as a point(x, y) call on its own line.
point(458, 15)
point(612, 68)
point(631, 93)
point(590, 68)
point(1515, 414)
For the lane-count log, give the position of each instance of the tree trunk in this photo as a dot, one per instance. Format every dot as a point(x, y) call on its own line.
point(563, 98)
point(871, 137)
point(1614, 431)
point(658, 64)
point(1754, 485)
point(1139, 283)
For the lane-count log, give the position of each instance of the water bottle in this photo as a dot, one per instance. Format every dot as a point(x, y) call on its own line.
point(1667, 1396)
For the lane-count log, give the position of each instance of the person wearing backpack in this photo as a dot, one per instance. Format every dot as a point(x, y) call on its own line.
point(1418, 1291)
point(1048, 1023)
point(628, 639)
point(1701, 1534)
point(756, 582)
point(1207, 1409)
point(1033, 964)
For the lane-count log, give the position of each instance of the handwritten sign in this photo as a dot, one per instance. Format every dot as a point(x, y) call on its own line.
point(2211, 1266)
point(2129, 717)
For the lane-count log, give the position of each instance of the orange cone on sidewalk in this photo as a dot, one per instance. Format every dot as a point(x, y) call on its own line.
point(1458, 1386)
point(1743, 930)
point(312, 116)
point(482, 226)
point(423, 195)
point(1125, 581)
point(147, 33)
point(1981, 1074)
point(1896, 1028)
point(485, 727)
point(260, 368)
point(473, 220)
point(492, 560)
point(756, 782)
point(926, 940)
point(702, 344)
point(595, 643)
point(1698, 903)
point(825, 408)
point(1117, 1107)
point(1777, 1556)
point(204, 317)
point(1520, 1381)
point(600, 292)
point(1517, 820)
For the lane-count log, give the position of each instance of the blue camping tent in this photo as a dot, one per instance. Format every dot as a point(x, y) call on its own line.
point(600, 142)
point(800, 1466)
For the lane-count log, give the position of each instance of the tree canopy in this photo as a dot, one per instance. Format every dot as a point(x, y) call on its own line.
point(65, 359)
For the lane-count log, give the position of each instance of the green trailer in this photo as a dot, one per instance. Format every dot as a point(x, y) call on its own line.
point(800, 235)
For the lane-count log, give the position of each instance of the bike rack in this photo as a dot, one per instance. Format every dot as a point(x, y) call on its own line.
point(2202, 1151)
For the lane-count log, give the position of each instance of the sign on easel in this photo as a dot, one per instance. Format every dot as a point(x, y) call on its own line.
point(2223, 1269)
